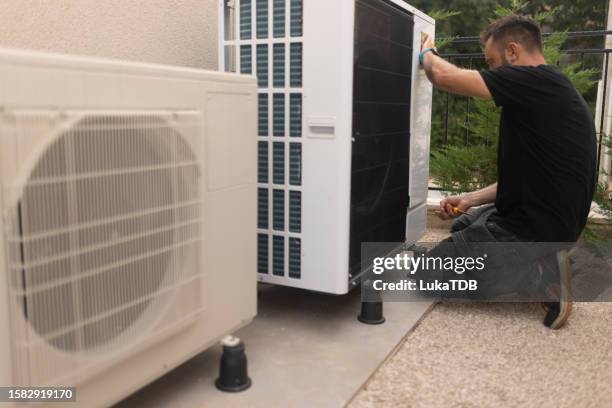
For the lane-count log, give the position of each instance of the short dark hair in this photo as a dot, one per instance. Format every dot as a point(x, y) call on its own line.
point(520, 29)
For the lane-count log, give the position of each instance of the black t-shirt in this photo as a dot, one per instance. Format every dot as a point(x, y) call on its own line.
point(546, 156)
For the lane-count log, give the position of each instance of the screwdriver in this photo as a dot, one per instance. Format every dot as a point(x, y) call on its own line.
point(457, 211)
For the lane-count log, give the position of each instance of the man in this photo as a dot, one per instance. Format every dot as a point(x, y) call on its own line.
point(547, 145)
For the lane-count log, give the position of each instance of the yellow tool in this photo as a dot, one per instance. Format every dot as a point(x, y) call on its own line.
point(457, 211)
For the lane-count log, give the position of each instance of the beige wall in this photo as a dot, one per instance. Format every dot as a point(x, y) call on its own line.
point(177, 32)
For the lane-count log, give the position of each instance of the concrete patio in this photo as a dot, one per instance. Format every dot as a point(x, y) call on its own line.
point(304, 349)
point(308, 349)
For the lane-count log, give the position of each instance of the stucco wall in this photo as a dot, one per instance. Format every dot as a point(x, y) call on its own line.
point(177, 32)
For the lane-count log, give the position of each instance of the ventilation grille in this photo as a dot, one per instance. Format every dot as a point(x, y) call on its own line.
point(263, 114)
point(279, 65)
point(279, 115)
point(246, 56)
point(296, 18)
point(270, 46)
point(245, 20)
point(295, 211)
point(296, 65)
point(279, 210)
point(262, 208)
point(295, 261)
point(279, 163)
point(262, 253)
point(103, 233)
point(262, 65)
point(262, 163)
point(279, 18)
point(295, 115)
point(295, 164)
point(262, 18)
point(278, 255)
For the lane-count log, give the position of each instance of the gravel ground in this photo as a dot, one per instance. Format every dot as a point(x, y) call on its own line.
point(497, 355)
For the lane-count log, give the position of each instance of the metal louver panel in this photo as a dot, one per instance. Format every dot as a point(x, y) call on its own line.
point(295, 164)
point(278, 255)
point(279, 18)
point(263, 114)
point(295, 211)
point(262, 65)
point(262, 208)
point(296, 18)
point(246, 29)
point(278, 155)
point(295, 65)
point(262, 18)
point(295, 258)
point(278, 65)
point(295, 115)
point(278, 209)
point(262, 162)
point(274, 53)
point(246, 56)
point(262, 253)
point(279, 114)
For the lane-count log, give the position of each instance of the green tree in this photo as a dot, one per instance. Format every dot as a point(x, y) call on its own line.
point(571, 15)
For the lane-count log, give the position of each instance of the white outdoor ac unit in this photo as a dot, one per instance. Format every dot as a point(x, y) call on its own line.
point(128, 219)
point(344, 125)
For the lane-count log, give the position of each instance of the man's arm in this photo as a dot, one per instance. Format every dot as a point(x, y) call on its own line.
point(466, 201)
point(486, 195)
point(449, 78)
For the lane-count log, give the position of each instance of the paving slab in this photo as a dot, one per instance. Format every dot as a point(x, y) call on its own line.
point(304, 349)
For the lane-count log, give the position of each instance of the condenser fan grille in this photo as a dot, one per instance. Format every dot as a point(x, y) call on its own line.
point(105, 226)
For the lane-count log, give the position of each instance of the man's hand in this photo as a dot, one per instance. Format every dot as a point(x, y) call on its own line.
point(466, 201)
point(427, 42)
point(449, 78)
point(447, 205)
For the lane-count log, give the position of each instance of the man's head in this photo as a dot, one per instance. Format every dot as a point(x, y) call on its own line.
point(513, 40)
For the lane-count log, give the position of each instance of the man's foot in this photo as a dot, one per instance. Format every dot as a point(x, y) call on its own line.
point(557, 313)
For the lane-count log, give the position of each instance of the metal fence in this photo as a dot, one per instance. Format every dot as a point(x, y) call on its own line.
point(452, 113)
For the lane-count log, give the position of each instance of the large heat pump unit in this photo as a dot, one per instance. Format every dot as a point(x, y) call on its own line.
point(343, 135)
point(128, 230)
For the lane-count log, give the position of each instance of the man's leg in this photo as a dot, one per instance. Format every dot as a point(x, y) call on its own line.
point(466, 220)
point(496, 280)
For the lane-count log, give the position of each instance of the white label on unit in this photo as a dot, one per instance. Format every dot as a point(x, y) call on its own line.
point(322, 127)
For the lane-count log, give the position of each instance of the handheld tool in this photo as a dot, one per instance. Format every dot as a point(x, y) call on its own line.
point(457, 211)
